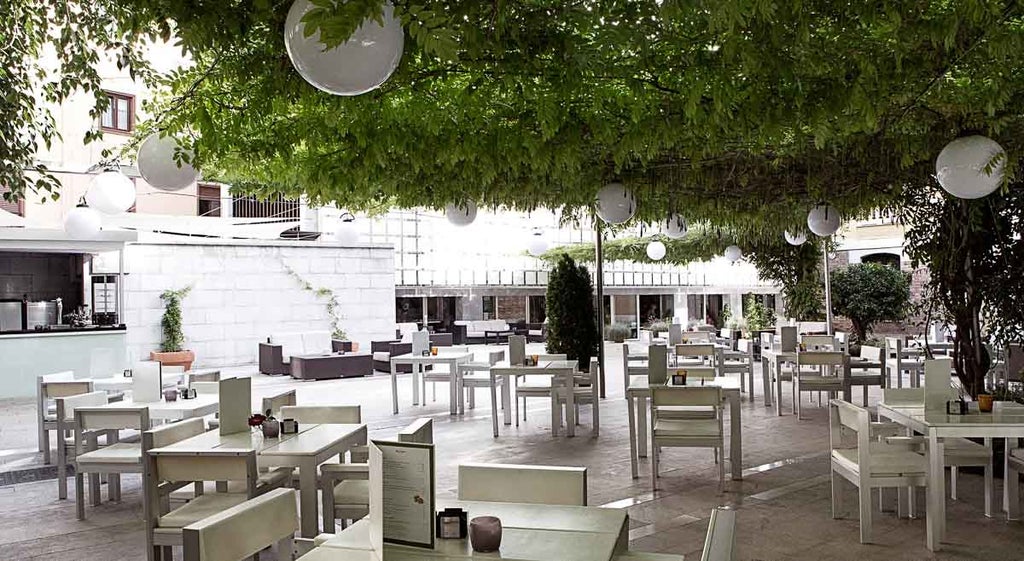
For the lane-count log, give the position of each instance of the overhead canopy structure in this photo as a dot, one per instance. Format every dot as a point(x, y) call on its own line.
point(48, 240)
point(10, 220)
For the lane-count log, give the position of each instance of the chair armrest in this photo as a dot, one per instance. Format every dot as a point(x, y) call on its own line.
point(332, 473)
point(359, 454)
point(338, 346)
point(397, 349)
point(271, 359)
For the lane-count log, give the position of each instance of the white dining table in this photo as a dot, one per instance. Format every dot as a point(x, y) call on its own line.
point(639, 393)
point(176, 410)
point(937, 426)
point(561, 373)
point(530, 532)
point(313, 445)
point(418, 363)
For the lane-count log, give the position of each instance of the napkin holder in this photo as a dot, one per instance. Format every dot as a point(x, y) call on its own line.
point(451, 524)
point(289, 426)
point(956, 407)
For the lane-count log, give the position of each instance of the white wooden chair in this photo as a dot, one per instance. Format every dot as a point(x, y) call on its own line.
point(48, 388)
point(686, 433)
point(327, 414)
point(510, 483)
point(695, 354)
point(166, 435)
point(634, 363)
point(866, 463)
point(868, 370)
point(818, 343)
point(168, 471)
point(274, 403)
point(740, 361)
point(112, 459)
point(583, 388)
point(897, 362)
point(66, 450)
point(242, 531)
point(476, 374)
point(1013, 464)
point(842, 341)
point(826, 373)
point(536, 386)
point(697, 336)
point(350, 498)
point(206, 376)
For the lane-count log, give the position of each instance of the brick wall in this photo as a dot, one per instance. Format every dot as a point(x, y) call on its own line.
point(511, 307)
point(241, 294)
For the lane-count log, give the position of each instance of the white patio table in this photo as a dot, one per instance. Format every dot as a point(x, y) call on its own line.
point(561, 372)
point(638, 394)
point(529, 533)
point(176, 410)
point(936, 426)
point(313, 445)
point(452, 359)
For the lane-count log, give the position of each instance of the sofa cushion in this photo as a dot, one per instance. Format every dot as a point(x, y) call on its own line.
point(536, 332)
point(382, 356)
point(315, 342)
point(291, 344)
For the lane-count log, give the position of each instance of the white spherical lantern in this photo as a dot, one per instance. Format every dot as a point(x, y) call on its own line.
point(158, 166)
point(347, 233)
point(538, 245)
point(359, 65)
point(961, 167)
point(461, 214)
point(111, 192)
point(796, 238)
point(733, 253)
point(656, 250)
point(675, 227)
point(615, 203)
point(823, 220)
point(82, 223)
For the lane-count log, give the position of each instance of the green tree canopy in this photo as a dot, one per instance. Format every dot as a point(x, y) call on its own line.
point(867, 293)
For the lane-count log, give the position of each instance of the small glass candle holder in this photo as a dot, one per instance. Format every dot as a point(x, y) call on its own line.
point(433, 351)
point(485, 533)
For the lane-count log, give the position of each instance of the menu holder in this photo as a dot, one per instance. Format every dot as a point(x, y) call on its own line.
point(516, 350)
point(657, 364)
point(937, 389)
point(235, 396)
point(402, 503)
point(787, 339)
point(146, 385)
point(675, 334)
point(420, 343)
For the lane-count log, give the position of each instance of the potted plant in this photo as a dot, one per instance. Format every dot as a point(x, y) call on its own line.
point(171, 351)
point(618, 332)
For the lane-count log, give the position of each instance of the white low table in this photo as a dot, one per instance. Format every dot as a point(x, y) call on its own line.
point(556, 369)
point(418, 362)
point(936, 426)
point(639, 392)
point(310, 447)
point(529, 533)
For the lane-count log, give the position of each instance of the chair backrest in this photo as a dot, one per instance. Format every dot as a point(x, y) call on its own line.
point(508, 483)
point(62, 376)
point(494, 357)
point(893, 347)
point(819, 342)
point(211, 376)
point(317, 414)
point(720, 543)
point(767, 341)
point(274, 403)
point(552, 357)
point(53, 390)
point(695, 349)
point(206, 388)
point(871, 353)
point(744, 346)
point(903, 396)
point(821, 358)
point(243, 530)
point(66, 405)
point(171, 370)
point(421, 431)
point(672, 396)
point(123, 417)
point(168, 434)
point(205, 465)
point(696, 337)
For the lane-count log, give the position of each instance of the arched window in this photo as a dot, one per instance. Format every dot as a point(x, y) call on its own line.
point(890, 259)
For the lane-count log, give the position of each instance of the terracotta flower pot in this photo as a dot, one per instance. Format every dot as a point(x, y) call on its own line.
point(985, 402)
point(178, 358)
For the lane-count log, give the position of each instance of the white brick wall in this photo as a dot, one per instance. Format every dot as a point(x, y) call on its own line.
point(241, 294)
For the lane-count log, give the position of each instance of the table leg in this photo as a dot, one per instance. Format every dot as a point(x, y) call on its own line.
point(494, 405)
point(394, 388)
point(556, 409)
point(777, 373)
point(735, 437)
point(307, 498)
point(936, 494)
point(453, 388)
point(632, 435)
point(641, 421)
point(417, 373)
point(570, 405)
point(766, 380)
point(595, 400)
point(989, 483)
point(506, 399)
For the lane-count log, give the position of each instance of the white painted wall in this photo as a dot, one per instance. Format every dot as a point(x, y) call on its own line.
point(241, 293)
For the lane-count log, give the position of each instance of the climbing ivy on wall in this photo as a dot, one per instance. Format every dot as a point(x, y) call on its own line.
point(323, 293)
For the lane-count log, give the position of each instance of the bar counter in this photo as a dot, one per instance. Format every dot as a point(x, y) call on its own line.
point(24, 355)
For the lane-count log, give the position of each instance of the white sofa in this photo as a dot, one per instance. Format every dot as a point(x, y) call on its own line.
point(473, 331)
point(302, 343)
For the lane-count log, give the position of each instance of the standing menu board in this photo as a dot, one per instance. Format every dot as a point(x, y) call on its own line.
point(405, 472)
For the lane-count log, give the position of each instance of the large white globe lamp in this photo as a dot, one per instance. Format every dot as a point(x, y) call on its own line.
point(796, 238)
point(347, 233)
point(82, 223)
point(823, 220)
point(111, 192)
point(733, 253)
point(615, 203)
point(359, 65)
point(675, 227)
point(538, 245)
point(461, 214)
point(656, 250)
point(159, 168)
point(961, 167)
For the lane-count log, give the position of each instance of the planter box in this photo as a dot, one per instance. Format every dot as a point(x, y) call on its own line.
point(177, 358)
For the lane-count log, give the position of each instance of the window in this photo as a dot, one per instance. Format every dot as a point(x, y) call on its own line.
point(120, 113)
point(209, 200)
point(490, 307)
